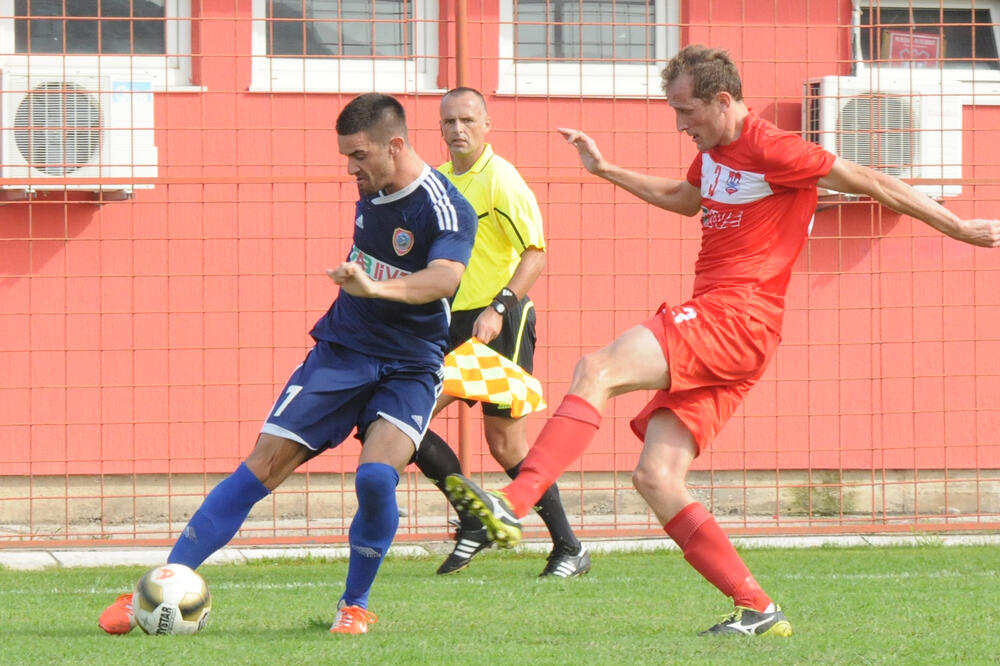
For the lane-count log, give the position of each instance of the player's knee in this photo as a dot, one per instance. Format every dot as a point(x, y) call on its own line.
point(375, 486)
point(375, 479)
point(652, 480)
point(591, 372)
point(273, 459)
point(642, 479)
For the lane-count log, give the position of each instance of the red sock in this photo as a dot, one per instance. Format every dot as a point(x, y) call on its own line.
point(707, 548)
point(563, 439)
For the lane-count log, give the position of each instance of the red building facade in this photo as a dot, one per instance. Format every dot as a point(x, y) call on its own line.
point(152, 334)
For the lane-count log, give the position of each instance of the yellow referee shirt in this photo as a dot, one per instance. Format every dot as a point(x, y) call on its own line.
point(509, 223)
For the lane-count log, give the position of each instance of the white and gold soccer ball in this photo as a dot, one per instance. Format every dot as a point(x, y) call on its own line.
point(171, 599)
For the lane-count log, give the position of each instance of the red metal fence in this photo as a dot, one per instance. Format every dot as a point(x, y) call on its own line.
point(173, 193)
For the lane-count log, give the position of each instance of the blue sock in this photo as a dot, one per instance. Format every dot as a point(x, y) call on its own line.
point(218, 518)
point(372, 529)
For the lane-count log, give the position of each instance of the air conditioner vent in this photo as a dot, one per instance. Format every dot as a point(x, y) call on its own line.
point(91, 132)
point(58, 128)
point(879, 131)
point(906, 128)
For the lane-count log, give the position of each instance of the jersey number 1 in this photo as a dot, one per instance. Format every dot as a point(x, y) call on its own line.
point(293, 390)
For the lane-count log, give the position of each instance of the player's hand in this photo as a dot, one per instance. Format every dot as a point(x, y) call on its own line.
point(590, 156)
point(984, 233)
point(487, 325)
point(353, 280)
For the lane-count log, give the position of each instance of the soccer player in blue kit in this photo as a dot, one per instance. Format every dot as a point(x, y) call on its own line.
point(376, 365)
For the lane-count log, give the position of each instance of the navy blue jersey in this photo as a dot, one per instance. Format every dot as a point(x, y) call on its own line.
point(395, 235)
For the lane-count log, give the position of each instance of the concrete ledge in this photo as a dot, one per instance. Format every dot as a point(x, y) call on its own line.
point(105, 557)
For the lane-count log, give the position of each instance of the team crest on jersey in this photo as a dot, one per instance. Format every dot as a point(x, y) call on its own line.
point(402, 241)
point(733, 182)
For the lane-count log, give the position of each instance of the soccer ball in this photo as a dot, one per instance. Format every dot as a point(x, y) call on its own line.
point(172, 599)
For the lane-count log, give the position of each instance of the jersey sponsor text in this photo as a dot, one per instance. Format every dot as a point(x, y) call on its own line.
point(721, 219)
point(375, 269)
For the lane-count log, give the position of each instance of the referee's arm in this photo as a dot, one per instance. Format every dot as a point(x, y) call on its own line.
point(489, 323)
point(528, 269)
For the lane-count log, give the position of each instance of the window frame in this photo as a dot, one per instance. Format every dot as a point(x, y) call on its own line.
point(164, 72)
point(566, 78)
point(977, 86)
point(337, 74)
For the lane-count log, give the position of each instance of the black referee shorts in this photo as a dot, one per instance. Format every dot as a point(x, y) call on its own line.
point(516, 340)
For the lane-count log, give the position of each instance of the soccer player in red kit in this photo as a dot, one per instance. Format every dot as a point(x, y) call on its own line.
point(755, 187)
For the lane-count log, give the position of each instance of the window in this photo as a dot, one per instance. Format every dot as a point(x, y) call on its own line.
point(143, 39)
point(382, 28)
point(579, 31)
point(952, 40)
point(345, 45)
point(108, 26)
point(586, 47)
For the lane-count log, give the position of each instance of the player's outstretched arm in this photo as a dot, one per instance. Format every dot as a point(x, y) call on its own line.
point(677, 196)
point(851, 178)
point(439, 280)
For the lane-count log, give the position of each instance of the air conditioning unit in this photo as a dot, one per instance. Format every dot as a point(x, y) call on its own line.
point(903, 127)
point(82, 128)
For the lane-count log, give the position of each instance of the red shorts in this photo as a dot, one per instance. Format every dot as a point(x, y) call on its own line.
point(716, 346)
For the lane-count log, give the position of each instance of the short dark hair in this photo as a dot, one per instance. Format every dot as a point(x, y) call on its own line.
point(380, 116)
point(465, 90)
point(712, 71)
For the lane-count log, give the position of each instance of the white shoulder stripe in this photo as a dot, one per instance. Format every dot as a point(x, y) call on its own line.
point(446, 213)
point(445, 210)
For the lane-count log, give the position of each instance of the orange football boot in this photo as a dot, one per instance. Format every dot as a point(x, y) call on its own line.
point(118, 618)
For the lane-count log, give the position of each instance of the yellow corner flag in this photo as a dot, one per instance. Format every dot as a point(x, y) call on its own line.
point(473, 371)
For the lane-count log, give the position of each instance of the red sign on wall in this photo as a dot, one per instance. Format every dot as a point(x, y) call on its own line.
point(918, 49)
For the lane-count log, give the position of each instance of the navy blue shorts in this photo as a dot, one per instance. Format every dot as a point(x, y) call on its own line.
point(336, 390)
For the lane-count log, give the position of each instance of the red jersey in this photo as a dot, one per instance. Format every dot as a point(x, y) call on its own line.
point(758, 198)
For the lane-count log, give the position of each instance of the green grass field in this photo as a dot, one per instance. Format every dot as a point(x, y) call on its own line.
point(921, 605)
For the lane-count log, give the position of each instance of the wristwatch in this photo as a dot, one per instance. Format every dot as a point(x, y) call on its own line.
point(504, 301)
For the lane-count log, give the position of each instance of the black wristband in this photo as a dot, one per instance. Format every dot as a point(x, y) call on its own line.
point(504, 301)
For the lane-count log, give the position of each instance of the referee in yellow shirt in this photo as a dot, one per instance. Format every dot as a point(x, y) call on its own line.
point(492, 304)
